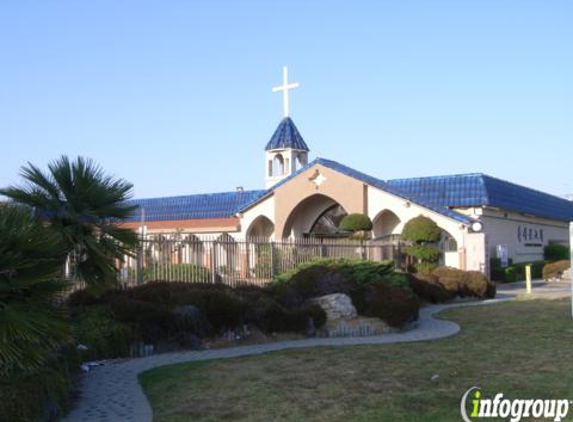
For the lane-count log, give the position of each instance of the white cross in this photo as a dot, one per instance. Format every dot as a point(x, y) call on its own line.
point(285, 88)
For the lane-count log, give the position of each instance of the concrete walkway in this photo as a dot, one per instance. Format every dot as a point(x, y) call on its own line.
point(112, 393)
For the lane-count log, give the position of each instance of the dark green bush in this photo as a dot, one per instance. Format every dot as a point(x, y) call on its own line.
point(555, 252)
point(556, 269)
point(357, 278)
point(42, 395)
point(424, 252)
point(325, 276)
point(279, 319)
point(104, 336)
point(393, 301)
point(190, 273)
point(424, 234)
point(355, 222)
point(514, 272)
point(428, 289)
point(465, 283)
point(423, 268)
point(421, 230)
point(153, 302)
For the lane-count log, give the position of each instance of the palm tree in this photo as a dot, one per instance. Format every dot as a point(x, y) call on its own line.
point(83, 205)
point(32, 324)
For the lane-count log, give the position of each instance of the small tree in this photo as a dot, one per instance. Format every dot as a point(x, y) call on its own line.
point(357, 224)
point(424, 234)
point(82, 205)
point(32, 320)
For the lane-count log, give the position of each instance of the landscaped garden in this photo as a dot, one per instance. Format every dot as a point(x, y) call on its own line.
point(62, 224)
point(520, 348)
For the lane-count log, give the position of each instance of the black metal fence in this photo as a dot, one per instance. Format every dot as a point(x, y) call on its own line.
point(235, 261)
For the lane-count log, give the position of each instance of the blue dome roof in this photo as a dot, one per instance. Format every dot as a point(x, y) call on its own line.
point(286, 136)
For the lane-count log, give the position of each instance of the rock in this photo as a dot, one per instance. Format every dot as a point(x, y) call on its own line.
point(337, 306)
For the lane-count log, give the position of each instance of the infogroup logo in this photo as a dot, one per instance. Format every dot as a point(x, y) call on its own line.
point(515, 410)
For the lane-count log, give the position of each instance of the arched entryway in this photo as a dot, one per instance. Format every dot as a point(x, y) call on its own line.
point(385, 225)
point(192, 251)
point(449, 247)
point(317, 215)
point(226, 255)
point(261, 228)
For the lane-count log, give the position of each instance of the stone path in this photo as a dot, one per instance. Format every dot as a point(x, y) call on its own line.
point(112, 393)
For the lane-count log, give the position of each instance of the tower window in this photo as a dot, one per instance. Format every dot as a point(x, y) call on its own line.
point(278, 165)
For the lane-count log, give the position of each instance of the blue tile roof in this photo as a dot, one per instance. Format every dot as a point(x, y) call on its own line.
point(286, 136)
point(440, 194)
point(214, 205)
point(465, 190)
point(372, 181)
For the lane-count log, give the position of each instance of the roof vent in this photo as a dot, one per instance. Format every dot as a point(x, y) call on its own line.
point(240, 189)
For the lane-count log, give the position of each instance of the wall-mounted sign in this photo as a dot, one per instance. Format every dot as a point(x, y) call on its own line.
point(503, 255)
point(530, 236)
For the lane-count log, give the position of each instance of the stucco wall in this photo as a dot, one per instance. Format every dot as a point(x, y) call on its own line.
point(348, 192)
point(378, 201)
point(502, 229)
point(264, 208)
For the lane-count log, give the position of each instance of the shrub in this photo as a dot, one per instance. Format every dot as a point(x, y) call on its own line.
point(394, 304)
point(556, 252)
point(359, 279)
point(153, 322)
point(358, 270)
point(190, 273)
point(423, 268)
point(105, 337)
point(279, 319)
point(32, 322)
point(514, 272)
point(465, 283)
point(421, 229)
point(428, 289)
point(152, 302)
point(424, 252)
point(555, 269)
point(357, 224)
point(326, 276)
point(424, 233)
point(42, 395)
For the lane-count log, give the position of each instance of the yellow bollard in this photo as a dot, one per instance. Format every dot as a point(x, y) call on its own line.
point(528, 278)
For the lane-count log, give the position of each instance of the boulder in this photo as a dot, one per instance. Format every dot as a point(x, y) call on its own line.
point(337, 306)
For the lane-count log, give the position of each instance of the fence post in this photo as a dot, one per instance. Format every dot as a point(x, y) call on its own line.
point(139, 262)
point(213, 263)
point(273, 260)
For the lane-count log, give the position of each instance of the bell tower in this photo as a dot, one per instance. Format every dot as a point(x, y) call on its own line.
point(286, 152)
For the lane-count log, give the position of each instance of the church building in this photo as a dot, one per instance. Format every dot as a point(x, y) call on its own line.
point(480, 216)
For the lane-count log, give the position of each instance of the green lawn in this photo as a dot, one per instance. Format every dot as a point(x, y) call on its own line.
point(523, 349)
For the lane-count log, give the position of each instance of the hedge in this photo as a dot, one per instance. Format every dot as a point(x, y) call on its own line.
point(556, 269)
point(389, 301)
point(42, 395)
point(465, 283)
point(191, 273)
point(167, 313)
point(376, 290)
point(556, 252)
point(514, 272)
point(428, 288)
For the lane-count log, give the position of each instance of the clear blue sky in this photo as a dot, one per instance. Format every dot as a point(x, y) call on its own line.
point(175, 96)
